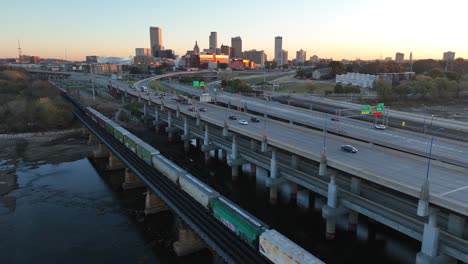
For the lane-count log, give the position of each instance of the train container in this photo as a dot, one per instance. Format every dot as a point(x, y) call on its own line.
point(146, 152)
point(279, 249)
point(246, 226)
point(119, 133)
point(131, 141)
point(168, 168)
point(111, 126)
point(199, 191)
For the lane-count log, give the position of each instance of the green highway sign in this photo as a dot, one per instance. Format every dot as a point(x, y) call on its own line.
point(365, 110)
point(202, 84)
point(196, 83)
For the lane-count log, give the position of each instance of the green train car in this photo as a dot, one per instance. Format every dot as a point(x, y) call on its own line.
point(246, 226)
point(146, 152)
point(119, 133)
point(131, 141)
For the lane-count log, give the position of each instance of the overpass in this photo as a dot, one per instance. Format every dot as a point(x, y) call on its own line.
point(377, 182)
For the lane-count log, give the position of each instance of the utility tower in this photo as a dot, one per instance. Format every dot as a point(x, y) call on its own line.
point(19, 51)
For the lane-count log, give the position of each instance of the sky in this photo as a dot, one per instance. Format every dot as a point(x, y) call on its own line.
point(338, 29)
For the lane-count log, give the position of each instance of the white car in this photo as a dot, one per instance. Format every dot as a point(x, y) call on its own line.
point(380, 127)
point(243, 122)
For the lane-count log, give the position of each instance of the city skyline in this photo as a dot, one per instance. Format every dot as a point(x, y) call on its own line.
point(336, 29)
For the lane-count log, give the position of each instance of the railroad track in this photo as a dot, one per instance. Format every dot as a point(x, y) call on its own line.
point(213, 232)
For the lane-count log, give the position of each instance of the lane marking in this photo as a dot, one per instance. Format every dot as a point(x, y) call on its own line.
point(456, 190)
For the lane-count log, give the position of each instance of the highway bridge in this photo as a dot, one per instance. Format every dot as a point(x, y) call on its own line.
point(379, 182)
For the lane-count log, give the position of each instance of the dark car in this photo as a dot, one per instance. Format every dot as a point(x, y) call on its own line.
point(191, 109)
point(335, 119)
point(254, 119)
point(349, 148)
point(233, 117)
point(202, 109)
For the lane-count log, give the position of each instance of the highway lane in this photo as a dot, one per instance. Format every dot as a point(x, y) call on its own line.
point(450, 151)
point(403, 173)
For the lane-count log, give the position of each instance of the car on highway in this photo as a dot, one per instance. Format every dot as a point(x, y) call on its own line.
point(202, 109)
point(349, 148)
point(243, 122)
point(144, 89)
point(191, 109)
point(254, 119)
point(335, 119)
point(382, 127)
point(232, 117)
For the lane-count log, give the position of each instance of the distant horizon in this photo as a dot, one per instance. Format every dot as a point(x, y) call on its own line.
point(334, 29)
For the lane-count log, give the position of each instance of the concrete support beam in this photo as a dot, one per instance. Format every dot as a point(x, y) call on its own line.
point(154, 204)
point(264, 146)
point(225, 129)
point(139, 97)
point(293, 185)
point(332, 202)
point(198, 121)
point(188, 242)
point(114, 163)
point(101, 152)
point(92, 139)
point(156, 114)
point(423, 203)
point(353, 215)
point(144, 110)
point(206, 144)
point(178, 111)
point(303, 199)
point(234, 160)
point(323, 163)
point(430, 244)
point(185, 136)
point(132, 181)
point(273, 176)
point(170, 133)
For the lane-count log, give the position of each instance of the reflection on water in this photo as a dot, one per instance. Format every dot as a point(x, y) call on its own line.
point(65, 213)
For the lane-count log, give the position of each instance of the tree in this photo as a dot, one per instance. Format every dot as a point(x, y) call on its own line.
point(336, 68)
point(384, 90)
point(223, 66)
point(300, 73)
point(135, 70)
point(436, 72)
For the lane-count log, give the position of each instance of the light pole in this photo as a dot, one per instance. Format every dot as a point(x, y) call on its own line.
point(423, 203)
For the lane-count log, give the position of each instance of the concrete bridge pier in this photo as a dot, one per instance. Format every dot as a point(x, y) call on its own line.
point(154, 204)
point(114, 163)
point(329, 210)
point(156, 119)
point(207, 147)
point(234, 160)
point(170, 134)
point(429, 253)
point(323, 163)
point(188, 242)
point(92, 139)
point(225, 129)
point(101, 152)
point(293, 185)
point(273, 176)
point(131, 181)
point(178, 111)
point(353, 215)
point(186, 137)
point(139, 97)
point(144, 110)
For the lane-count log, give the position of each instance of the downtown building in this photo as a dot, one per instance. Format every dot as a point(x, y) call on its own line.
point(279, 51)
point(399, 57)
point(256, 56)
point(155, 40)
point(301, 56)
point(142, 52)
point(236, 44)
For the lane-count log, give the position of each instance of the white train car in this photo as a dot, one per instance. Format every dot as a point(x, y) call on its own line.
point(168, 168)
point(199, 191)
point(279, 249)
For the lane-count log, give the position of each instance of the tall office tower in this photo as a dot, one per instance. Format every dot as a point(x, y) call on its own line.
point(155, 40)
point(301, 56)
point(399, 57)
point(236, 44)
point(196, 49)
point(279, 50)
point(213, 41)
point(284, 57)
point(449, 56)
point(226, 50)
point(142, 52)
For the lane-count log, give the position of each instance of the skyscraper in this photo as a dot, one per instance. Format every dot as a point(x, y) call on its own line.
point(236, 44)
point(284, 57)
point(142, 52)
point(196, 49)
point(155, 40)
point(279, 50)
point(301, 56)
point(399, 57)
point(257, 56)
point(226, 50)
point(213, 41)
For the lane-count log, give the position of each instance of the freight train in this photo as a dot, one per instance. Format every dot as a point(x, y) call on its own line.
point(254, 232)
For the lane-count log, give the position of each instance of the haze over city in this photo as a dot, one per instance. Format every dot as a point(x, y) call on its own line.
point(330, 29)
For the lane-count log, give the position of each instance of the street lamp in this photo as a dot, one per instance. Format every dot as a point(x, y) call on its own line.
point(423, 203)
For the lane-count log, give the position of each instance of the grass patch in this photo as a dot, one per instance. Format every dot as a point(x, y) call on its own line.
point(157, 86)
